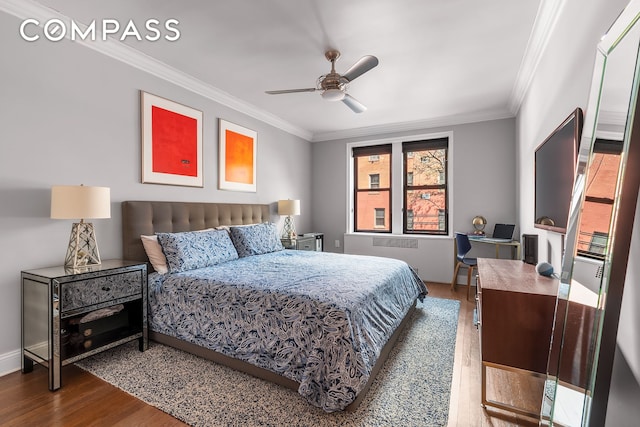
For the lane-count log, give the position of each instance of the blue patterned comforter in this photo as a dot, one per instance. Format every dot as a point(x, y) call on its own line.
point(318, 318)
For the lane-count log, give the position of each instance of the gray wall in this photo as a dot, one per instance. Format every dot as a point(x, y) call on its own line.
point(483, 183)
point(561, 83)
point(70, 115)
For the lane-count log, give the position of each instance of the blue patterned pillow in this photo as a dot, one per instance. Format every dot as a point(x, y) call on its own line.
point(196, 249)
point(255, 239)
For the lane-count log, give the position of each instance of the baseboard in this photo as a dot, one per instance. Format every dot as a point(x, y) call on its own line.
point(10, 362)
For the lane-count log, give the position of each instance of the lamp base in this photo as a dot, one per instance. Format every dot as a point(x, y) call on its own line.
point(289, 228)
point(83, 248)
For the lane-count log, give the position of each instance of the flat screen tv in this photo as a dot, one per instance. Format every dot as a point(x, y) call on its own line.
point(555, 163)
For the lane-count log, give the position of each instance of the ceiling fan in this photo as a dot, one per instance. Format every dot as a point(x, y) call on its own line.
point(334, 85)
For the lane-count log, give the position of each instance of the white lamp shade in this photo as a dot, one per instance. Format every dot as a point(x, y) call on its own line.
point(289, 207)
point(80, 202)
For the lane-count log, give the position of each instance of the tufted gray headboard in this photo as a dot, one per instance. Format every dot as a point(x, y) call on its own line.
point(145, 217)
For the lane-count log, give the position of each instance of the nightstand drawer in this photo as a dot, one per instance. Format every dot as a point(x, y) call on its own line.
point(98, 290)
point(306, 244)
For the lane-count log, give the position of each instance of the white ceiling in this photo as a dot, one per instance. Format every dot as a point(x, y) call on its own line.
point(441, 61)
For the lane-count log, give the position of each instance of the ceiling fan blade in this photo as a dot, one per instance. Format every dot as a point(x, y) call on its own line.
point(354, 104)
point(278, 92)
point(363, 65)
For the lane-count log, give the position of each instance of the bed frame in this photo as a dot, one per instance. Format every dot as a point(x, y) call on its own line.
point(148, 217)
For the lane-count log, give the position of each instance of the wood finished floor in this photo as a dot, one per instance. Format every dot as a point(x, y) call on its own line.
point(85, 400)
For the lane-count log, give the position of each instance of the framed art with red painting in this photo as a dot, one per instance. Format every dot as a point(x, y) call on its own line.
point(238, 152)
point(171, 142)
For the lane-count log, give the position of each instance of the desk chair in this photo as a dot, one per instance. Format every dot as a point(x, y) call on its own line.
point(463, 246)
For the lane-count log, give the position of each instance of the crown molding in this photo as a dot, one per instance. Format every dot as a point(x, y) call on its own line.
point(117, 50)
point(413, 126)
point(543, 27)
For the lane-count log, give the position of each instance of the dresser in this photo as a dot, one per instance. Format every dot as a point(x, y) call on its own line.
point(69, 314)
point(516, 308)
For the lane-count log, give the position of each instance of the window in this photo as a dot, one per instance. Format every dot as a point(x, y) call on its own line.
point(598, 243)
point(600, 187)
point(425, 186)
point(374, 180)
point(379, 217)
point(372, 210)
point(410, 219)
point(406, 190)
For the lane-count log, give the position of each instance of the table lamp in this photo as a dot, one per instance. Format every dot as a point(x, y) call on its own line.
point(289, 208)
point(80, 202)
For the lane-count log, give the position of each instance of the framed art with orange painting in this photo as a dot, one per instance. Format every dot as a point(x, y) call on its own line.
point(238, 152)
point(171, 142)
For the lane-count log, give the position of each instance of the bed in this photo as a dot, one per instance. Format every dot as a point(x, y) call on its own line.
point(319, 323)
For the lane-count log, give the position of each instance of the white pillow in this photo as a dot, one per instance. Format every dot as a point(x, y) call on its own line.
point(155, 254)
point(228, 227)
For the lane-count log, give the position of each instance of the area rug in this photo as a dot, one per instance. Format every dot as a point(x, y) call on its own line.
point(412, 388)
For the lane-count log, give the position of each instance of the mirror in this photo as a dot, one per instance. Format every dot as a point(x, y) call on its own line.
point(598, 235)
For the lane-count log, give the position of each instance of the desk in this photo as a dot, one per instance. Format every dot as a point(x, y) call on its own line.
point(515, 245)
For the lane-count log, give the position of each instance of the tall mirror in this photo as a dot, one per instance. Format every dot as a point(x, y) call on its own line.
point(598, 235)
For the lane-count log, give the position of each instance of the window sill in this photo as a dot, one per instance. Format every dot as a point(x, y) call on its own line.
point(405, 236)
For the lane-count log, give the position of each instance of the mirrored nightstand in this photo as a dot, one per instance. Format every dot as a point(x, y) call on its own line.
point(68, 314)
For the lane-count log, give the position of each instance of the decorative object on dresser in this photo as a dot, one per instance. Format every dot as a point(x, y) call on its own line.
point(516, 309)
point(289, 208)
point(80, 202)
point(237, 157)
point(69, 314)
point(171, 142)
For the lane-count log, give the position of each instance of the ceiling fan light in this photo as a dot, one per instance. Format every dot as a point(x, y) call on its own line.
point(333, 95)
